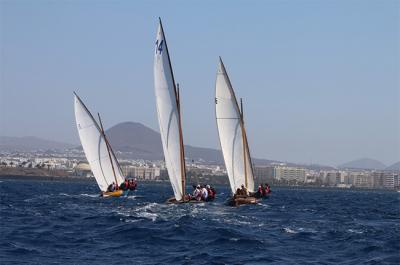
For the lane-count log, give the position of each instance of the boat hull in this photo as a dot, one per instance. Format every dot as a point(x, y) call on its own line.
point(237, 201)
point(172, 200)
point(117, 193)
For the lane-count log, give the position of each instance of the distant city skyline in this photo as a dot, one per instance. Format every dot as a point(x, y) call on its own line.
point(319, 80)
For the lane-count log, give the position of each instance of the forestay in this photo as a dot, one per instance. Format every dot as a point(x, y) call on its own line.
point(232, 134)
point(168, 115)
point(95, 148)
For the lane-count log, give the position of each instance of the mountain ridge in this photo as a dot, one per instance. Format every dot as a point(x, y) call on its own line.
point(364, 163)
point(394, 166)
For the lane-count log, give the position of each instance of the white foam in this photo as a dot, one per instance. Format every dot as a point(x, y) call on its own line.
point(134, 197)
point(152, 216)
point(290, 231)
point(354, 231)
point(89, 195)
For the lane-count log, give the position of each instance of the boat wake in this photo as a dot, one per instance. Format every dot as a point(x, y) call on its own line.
point(89, 195)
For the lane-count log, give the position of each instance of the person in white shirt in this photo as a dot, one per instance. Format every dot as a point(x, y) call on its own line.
point(204, 194)
point(197, 193)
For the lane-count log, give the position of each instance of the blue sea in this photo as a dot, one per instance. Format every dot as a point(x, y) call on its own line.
point(60, 222)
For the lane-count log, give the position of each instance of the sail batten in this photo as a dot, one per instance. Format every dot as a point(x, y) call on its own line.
point(168, 112)
point(98, 151)
point(232, 133)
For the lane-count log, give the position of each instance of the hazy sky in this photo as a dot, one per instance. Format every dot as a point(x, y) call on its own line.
point(320, 79)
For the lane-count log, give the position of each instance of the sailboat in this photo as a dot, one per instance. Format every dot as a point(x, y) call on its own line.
point(98, 151)
point(233, 139)
point(169, 118)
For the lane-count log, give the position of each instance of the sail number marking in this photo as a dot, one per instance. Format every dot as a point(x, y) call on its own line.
point(159, 46)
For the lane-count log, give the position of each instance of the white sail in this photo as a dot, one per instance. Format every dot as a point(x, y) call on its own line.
point(168, 114)
point(95, 148)
point(232, 133)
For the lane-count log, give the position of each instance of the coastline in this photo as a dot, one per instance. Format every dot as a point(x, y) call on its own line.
point(46, 178)
point(37, 174)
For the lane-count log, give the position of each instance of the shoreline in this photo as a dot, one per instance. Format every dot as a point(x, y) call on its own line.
point(86, 179)
point(47, 178)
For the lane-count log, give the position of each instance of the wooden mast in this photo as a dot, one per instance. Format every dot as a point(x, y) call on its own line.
point(244, 144)
point(108, 150)
point(182, 152)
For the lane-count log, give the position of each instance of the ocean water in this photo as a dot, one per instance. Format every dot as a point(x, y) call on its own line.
point(45, 222)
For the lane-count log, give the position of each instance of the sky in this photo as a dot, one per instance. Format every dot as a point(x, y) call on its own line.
point(320, 80)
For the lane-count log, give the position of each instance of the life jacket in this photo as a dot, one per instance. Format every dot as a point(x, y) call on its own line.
point(260, 190)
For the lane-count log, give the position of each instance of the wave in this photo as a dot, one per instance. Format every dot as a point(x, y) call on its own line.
point(50, 223)
point(355, 231)
point(289, 230)
point(299, 230)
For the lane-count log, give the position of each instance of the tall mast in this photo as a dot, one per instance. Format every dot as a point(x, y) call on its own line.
point(244, 143)
point(182, 151)
point(108, 150)
point(176, 90)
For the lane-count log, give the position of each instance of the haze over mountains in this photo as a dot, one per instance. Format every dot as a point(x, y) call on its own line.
point(137, 141)
point(30, 143)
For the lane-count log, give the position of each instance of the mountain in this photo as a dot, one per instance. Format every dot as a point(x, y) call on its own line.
point(395, 166)
point(136, 141)
point(30, 143)
point(364, 163)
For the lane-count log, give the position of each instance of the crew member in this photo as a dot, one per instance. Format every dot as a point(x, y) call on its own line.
point(244, 190)
point(211, 193)
point(204, 193)
point(197, 193)
point(267, 189)
point(260, 190)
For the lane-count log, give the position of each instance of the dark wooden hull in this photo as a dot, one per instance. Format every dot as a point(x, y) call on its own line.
point(241, 200)
point(172, 200)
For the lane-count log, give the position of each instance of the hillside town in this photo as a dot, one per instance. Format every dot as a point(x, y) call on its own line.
point(73, 163)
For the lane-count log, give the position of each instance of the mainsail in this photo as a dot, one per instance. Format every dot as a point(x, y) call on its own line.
point(98, 151)
point(232, 133)
point(168, 110)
